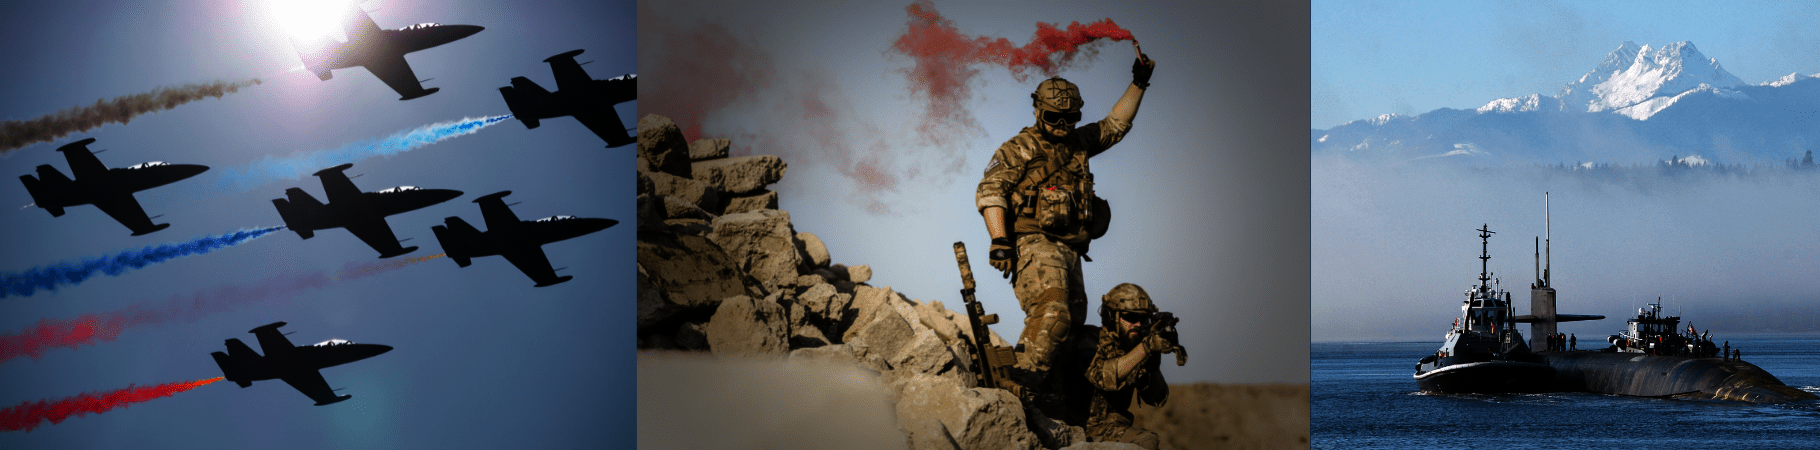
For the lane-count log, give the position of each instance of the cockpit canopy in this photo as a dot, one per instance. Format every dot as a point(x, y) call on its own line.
point(421, 26)
point(400, 189)
point(629, 76)
point(147, 164)
point(555, 218)
point(333, 342)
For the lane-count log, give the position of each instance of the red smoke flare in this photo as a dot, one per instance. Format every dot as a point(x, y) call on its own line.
point(703, 70)
point(106, 326)
point(29, 415)
point(945, 60)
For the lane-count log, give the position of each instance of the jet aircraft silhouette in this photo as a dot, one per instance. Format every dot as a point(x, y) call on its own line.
point(521, 242)
point(362, 213)
point(298, 366)
point(590, 101)
point(109, 189)
point(381, 51)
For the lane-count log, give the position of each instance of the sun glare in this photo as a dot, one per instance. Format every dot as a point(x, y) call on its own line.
point(310, 20)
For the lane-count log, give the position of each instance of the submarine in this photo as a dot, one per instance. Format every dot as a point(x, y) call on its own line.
point(1650, 359)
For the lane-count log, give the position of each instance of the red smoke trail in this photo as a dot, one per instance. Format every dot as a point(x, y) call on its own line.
point(945, 61)
point(86, 329)
point(29, 415)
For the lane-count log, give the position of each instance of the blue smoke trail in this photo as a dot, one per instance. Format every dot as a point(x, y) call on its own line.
point(269, 169)
point(51, 277)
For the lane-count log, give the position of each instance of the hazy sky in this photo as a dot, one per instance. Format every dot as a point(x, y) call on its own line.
point(1406, 57)
point(1207, 190)
point(1392, 244)
point(482, 358)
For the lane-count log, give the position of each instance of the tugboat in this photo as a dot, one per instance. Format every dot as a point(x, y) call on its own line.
point(1483, 352)
point(1652, 333)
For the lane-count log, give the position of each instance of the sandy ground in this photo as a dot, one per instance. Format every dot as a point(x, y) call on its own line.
point(1230, 416)
point(693, 400)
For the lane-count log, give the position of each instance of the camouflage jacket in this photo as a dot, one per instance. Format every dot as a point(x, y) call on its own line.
point(1110, 404)
point(1030, 166)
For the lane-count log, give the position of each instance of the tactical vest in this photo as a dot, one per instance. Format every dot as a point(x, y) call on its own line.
point(1055, 197)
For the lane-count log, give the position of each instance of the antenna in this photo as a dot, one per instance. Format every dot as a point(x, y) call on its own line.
point(1547, 232)
point(1484, 252)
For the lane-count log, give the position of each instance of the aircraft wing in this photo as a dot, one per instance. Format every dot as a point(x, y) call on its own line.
point(377, 234)
point(606, 125)
point(569, 76)
point(338, 187)
point(83, 164)
point(395, 72)
point(126, 210)
point(311, 384)
point(534, 264)
point(277, 346)
point(498, 216)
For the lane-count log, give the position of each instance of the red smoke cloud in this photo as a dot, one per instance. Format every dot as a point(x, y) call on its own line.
point(29, 415)
point(88, 328)
point(946, 60)
point(702, 72)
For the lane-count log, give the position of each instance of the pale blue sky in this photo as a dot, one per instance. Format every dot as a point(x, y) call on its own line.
point(1409, 57)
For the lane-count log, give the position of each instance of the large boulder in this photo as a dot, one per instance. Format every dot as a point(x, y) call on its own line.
point(746, 327)
point(813, 248)
point(701, 194)
point(706, 149)
point(752, 202)
point(761, 244)
point(742, 175)
point(974, 418)
point(661, 147)
point(692, 273)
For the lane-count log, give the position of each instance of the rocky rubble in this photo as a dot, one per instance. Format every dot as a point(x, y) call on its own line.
point(722, 270)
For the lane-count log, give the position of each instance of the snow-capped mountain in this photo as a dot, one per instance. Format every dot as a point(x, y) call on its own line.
point(1639, 103)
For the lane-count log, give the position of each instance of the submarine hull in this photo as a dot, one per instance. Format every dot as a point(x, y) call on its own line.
point(1642, 375)
point(1489, 377)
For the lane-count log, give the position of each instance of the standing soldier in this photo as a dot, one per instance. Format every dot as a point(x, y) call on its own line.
point(1125, 363)
point(1040, 210)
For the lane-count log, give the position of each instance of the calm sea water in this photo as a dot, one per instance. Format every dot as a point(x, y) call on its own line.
point(1364, 397)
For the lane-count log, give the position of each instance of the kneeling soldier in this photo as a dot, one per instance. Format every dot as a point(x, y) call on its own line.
point(1125, 364)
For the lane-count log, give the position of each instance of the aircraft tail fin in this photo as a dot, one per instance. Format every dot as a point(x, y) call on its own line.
point(230, 368)
point(34, 187)
point(295, 209)
point(337, 399)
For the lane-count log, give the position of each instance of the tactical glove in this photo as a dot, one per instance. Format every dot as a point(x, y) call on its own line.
point(1140, 71)
point(1159, 344)
point(1003, 256)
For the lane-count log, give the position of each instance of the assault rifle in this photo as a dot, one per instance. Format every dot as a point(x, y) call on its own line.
point(1164, 323)
point(991, 361)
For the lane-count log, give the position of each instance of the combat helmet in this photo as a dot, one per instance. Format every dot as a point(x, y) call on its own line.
point(1125, 297)
point(1057, 100)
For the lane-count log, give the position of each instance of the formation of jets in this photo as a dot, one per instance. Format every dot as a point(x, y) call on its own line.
point(298, 366)
point(381, 52)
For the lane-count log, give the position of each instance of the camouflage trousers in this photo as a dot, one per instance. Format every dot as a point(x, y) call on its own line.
point(1050, 291)
point(1130, 435)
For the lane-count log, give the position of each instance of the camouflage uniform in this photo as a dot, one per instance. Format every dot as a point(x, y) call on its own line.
point(1046, 190)
point(1108, 412)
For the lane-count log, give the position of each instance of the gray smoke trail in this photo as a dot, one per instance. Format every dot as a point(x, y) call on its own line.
point(19, 133)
